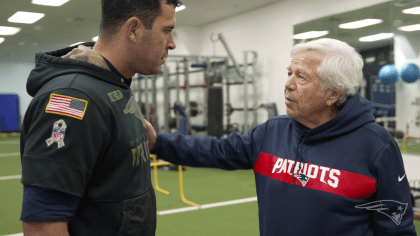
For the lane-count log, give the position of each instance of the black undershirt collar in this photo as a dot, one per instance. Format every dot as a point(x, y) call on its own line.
point(113, 69)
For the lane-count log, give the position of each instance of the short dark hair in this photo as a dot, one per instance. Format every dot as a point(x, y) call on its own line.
point(116, 12)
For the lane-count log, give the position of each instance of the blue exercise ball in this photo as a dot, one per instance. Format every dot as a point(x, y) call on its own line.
point(410, 73)
point(388, 74)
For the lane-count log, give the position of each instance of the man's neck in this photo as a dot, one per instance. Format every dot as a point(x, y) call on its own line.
point(114, 53)
point(321, 119)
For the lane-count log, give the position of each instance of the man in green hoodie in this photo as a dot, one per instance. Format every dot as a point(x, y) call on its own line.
point(84, 145)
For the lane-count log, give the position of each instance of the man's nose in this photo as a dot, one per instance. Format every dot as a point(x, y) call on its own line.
point(171, 42)
point(290, 83)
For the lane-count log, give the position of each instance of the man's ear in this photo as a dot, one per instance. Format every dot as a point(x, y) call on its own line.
point(332, 96)
point(134, 28)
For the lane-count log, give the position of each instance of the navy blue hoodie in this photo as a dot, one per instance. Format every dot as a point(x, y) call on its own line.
point(345, 177)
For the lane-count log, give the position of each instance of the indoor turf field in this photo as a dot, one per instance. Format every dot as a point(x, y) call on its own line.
point(201, 185)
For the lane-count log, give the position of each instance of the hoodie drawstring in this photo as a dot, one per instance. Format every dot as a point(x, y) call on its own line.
point(297, 154)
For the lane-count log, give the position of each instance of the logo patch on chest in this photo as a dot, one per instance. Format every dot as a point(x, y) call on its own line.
point(58, 133)
point(133, 108)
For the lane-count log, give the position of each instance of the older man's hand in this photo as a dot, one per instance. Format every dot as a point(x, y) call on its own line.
point(152, 135)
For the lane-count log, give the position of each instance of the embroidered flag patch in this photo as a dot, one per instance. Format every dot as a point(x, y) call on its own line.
point(67, 106)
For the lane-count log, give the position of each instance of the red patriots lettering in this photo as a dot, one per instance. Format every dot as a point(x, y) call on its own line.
point(317, 177)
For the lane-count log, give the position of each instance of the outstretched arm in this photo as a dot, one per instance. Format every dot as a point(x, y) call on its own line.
point(234, 152)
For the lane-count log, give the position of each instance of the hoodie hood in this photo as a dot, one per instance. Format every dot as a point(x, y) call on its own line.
point(80, 59)
point(356, 113)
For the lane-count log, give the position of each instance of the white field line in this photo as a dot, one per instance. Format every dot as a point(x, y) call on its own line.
point(11, 177)
point(206, 206)
point(211, 205)
point(10, 154)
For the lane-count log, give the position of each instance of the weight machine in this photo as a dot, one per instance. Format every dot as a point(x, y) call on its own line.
point(219, 77)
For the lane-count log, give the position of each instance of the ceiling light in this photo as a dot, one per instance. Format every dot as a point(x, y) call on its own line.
point(5, 30)
point(180, 8)
point(54, 3)
point(95, 38)
point(76, 44)
point(310, 34)
point(376, 37)
point(360, 23)
point(370, 59)
point(25, 17)
point(410, 27)
point(1, 40)
point(414, 10)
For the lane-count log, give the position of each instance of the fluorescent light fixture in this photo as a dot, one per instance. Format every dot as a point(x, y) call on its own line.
point(54, 3)
point(376, 37)
point(25, 17)
point(414, 10)
point(409, 28)
point(370, 59)
point(76, 44)
point(180, 8)
point(310, 34)
point(360, 23)
point(5, 30)
point(1, 39)
point(95, 38)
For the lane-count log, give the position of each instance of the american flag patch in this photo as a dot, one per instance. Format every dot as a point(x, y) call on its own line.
point(67, 106)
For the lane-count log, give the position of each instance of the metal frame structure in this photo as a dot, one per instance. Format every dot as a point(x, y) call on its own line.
point(210, 65)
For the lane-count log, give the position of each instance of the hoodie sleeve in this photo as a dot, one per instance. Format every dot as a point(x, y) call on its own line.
point(234, 152)
point(61, 146)
point(395, 215)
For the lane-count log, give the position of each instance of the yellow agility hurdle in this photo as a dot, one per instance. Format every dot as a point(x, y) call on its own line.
point(155, 164)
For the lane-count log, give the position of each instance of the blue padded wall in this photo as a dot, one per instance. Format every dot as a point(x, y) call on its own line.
point(9, 113)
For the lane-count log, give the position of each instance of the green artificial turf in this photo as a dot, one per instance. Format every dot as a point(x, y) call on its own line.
point(233, 220)
point(417, 225)
point(10, 146)
point(10, 206)
point(203, 186)
point(10, 166)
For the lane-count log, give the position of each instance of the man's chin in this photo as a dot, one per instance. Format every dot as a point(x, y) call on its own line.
point(152, 71)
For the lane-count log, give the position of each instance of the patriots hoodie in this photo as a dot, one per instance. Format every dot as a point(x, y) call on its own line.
point(345, 177)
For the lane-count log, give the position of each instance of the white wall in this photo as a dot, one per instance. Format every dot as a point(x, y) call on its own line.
point(407, 49)
point(13, 77)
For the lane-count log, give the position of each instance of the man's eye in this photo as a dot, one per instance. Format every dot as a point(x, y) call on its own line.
point(289, 73)
point(301, 78)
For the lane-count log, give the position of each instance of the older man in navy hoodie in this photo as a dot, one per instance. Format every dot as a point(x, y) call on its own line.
point(324, 169)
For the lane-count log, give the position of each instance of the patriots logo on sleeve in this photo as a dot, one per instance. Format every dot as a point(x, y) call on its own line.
point(393, 209)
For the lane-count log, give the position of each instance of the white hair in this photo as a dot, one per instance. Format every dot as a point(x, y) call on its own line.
point(341, 69)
